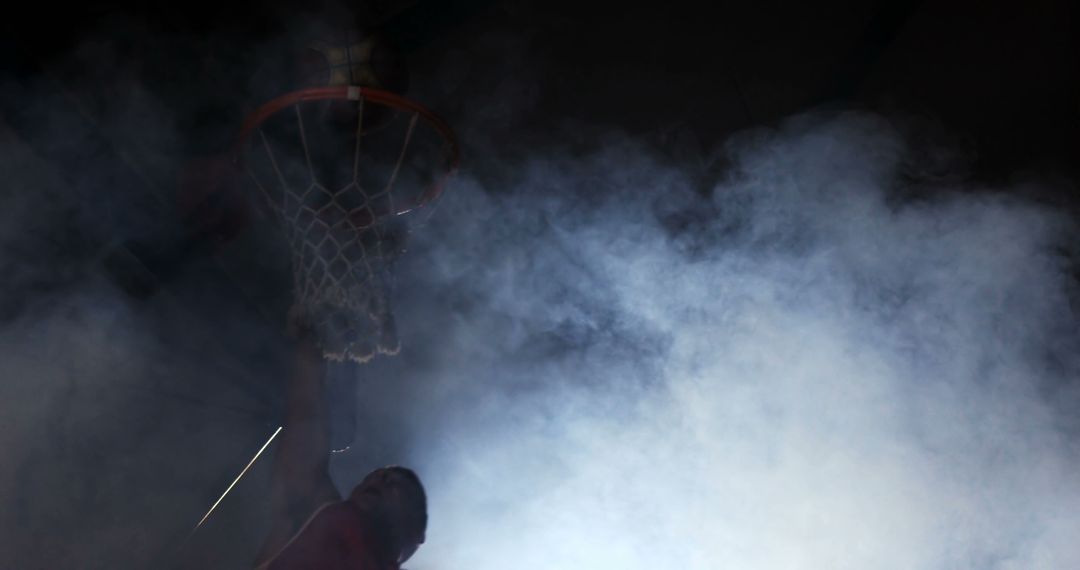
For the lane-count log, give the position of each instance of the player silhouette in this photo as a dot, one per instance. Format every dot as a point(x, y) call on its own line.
point(377, 527)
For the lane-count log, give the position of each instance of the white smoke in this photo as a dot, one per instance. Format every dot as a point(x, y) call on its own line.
point(801, 371)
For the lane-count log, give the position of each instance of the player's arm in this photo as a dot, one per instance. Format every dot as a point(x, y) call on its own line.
point(301, 480)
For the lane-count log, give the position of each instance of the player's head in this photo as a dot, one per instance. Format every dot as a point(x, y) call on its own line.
point(398, 497)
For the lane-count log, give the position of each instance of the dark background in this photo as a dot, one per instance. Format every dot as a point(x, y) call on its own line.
point(995, 81)
point(1001, 76)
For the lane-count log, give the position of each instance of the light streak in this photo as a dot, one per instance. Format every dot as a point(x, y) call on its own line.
point(238, 477)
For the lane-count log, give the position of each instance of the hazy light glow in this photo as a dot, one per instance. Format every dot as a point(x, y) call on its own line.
point(818, 375)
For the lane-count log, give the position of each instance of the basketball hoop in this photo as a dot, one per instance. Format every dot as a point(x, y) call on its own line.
point(340, 189)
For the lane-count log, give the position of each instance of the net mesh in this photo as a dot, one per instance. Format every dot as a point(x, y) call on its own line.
point(340, 217)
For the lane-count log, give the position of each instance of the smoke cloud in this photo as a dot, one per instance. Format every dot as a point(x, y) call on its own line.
point(798, 370)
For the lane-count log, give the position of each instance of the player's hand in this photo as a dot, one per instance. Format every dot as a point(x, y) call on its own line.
point(303, 334)
point(297, 325)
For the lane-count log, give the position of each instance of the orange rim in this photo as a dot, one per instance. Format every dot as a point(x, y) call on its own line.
point(354, 93)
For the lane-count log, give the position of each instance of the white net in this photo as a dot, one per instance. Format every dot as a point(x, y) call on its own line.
point(340, 213)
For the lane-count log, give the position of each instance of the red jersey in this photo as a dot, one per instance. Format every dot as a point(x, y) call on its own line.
point(337, 537)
